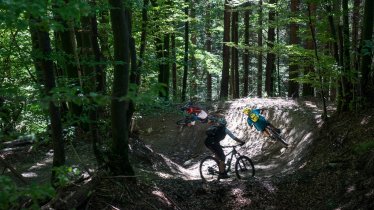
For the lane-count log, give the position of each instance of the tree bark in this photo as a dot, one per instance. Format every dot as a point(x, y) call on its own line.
point(334, 85)
point(234, 55)
point(186, 51)
point(347, 98)
point(259, 60)
point(119, 161)
point(70, 62)
point(246, 55)
point(293, 70)
point(224, 93)
point(367, 79)
point(355, 33)
point(270, 58)
point(308, 90)
point(44, 44)
point(208, 46)
point(174, 67)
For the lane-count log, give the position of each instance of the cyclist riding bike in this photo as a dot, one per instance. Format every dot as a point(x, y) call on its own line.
point(256, 119)
point(196, 113)
point(216, 133)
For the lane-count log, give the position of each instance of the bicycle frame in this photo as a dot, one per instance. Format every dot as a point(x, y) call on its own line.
point(233, 153)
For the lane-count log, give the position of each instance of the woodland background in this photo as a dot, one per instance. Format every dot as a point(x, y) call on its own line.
point(81, 70)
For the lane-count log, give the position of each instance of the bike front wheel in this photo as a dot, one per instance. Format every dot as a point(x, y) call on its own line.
point(277, 136)
point(209, 170)
point(244, 168)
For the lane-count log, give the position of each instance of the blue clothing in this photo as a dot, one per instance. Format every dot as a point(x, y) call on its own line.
point(255, 118)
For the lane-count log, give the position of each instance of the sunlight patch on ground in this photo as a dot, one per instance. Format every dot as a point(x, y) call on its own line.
point(181, 171)
point(45, 162)
point(164, 175)
point(365, 120)
point(29, 174)
point(351, 189)
point(161, 196)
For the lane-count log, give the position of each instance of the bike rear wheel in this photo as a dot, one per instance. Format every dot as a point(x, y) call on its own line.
point(209, 170)
point(244, 168)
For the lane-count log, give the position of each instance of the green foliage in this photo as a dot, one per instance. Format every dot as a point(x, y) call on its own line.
point(368, 47)
point(364, 147)
point(11, 196)
point(65, 175)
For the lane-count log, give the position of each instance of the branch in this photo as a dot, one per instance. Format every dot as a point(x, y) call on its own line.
point(13, 170)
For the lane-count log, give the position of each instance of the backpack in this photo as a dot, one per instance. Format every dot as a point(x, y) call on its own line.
point(216, 132)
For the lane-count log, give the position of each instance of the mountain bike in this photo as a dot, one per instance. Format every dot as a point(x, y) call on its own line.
point(275, 135)
point(184, 121)
point(244, 168)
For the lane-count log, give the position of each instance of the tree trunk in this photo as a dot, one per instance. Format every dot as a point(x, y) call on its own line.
point(367, 79)
point(347, 98)
point(44, 44)
point(234, 55)
point(208, 46)
point(143, 36)
point(119, 161)
point(334, 84)
point(246, 55)
point(91, 84)
point(185, 63)
point(293, 70)
point(308, 89)
point(259, 60)
point(174, 67)
point(355, 32)
point(69, 63)
point(270, 58)
point(224, 93)
point(193, 31)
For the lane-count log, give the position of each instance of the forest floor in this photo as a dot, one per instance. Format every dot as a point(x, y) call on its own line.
point(329, 165)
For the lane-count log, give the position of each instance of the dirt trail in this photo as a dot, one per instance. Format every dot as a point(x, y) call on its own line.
point(298, 121)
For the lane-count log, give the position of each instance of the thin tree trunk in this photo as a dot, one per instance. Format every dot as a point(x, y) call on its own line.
point(346, 80)
point(246, 55)
point(70, 62)
point(186, 51)
point(208, 46)
point(278, 67)
point(293, 70)
point(91, 84)
point(334, 84)
point(270, 58)
point(308, 89)
point(259, 60)
point(234, 55)
point(355, 32)
point(312, 27)
point(367, 79)
point(193, 31)
point(174, 67)
point(143, 36)
point(224, 93)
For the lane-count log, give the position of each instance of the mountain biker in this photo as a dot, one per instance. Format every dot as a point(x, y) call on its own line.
point(196, 113)
point(256, 119)
point(216, 133)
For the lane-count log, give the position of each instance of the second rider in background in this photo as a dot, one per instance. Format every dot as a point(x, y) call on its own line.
point(196, 113)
